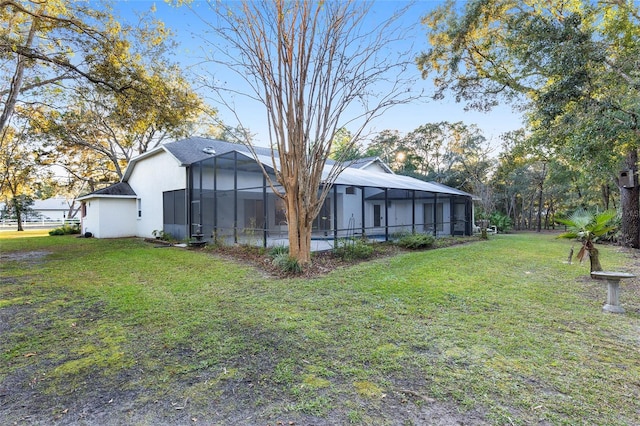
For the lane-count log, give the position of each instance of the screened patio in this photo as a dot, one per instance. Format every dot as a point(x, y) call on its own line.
point(228, 199)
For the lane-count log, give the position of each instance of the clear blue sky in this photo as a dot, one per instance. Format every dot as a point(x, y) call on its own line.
point(188, 29)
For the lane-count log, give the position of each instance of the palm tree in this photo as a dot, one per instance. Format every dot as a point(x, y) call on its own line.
point(587, 227)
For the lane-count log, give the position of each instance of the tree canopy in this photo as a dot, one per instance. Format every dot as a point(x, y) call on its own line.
point(570, 65)
point(92, 89)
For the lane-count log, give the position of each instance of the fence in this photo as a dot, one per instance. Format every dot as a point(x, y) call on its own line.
point(8, 223)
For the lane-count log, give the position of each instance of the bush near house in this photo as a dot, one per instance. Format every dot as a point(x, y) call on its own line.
point(65, 230)
point(416, 241)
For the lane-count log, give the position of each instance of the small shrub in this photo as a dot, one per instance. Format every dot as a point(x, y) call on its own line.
point(65, 230)
point(353, 249)
point(278, 250)
point(501, 221)
point(417, 241)
point(287, 263)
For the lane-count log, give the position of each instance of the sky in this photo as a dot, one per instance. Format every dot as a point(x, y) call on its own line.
point(189, 31)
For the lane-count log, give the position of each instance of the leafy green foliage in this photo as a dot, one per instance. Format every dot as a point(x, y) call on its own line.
point(278, 250)
point(353, 248)
point(589, 226)
point(416, 241)
point(574, 67)
point(65, 230)
point(500, 221)
point(287, 263)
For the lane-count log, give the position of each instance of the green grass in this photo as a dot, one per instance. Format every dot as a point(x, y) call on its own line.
point(504, 327)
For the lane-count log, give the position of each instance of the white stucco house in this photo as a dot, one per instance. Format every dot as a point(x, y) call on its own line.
point(208, 187)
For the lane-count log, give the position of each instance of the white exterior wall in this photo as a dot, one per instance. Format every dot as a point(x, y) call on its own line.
point(149, 179)
point(110, 217)
point(375, 167)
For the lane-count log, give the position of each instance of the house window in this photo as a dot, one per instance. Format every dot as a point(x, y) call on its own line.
point(84, 209)
point(139, 208)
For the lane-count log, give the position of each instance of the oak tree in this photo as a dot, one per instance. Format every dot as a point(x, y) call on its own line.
point(571, 64)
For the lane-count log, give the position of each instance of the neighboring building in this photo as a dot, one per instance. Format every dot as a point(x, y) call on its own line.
point(56, 209)
point(211, 187)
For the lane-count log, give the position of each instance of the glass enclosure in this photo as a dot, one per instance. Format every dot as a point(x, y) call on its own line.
point(229, 200)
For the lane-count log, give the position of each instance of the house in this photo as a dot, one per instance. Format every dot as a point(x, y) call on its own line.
point(208, 187)
point(51, 210)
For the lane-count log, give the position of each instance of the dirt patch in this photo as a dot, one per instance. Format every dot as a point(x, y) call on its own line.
point(29, 257)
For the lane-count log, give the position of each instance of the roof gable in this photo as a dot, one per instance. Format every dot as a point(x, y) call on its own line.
point(367, 162)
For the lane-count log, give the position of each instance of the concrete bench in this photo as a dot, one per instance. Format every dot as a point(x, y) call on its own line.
point(613, 288)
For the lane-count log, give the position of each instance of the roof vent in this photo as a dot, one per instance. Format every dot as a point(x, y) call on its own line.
point(209, 150)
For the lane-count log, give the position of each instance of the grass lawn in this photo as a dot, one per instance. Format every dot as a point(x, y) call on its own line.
point(495, 332)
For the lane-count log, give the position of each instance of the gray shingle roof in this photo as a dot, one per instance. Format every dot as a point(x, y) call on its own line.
point(361, 162)
point(192, 150)
point(120, 188)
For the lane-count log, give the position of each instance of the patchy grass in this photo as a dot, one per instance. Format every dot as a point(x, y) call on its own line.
point(496, 332)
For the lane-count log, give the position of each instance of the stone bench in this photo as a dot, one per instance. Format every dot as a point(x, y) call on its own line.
point(613, 288)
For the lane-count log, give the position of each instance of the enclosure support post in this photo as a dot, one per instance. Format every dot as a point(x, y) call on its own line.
point(265, 224)
point(235, 197)
point(386, 214)
point(215, 200)
point(335, 215)
point(413, 212)
point(364, 230)
point(435, 214)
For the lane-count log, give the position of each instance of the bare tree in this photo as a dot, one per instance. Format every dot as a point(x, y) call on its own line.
point(316, 67)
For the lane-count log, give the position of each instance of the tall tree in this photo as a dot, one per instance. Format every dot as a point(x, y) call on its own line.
point(19, 174)
point(45, 44)
point(385, 145)
point(96, 89)
point(343, 149)
point(573, 63)
point(99, 131)
point(316, 67)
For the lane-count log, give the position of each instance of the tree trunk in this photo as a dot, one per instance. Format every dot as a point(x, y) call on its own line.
point(606, 195)
point(630, 203)
point(540, 194)
point(18, 211)
point(299, 231)
point(594, 257)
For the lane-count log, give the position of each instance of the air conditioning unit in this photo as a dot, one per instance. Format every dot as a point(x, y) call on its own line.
point(627, 179)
